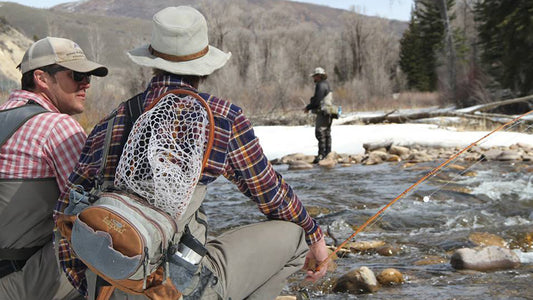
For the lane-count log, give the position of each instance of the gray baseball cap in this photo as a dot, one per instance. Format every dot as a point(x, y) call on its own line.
point(60, 51)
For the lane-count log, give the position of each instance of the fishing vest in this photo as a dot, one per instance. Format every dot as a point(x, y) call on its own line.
point(26, 205)
point(26, 209)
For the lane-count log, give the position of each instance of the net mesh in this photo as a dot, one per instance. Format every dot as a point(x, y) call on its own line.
point(162, 158)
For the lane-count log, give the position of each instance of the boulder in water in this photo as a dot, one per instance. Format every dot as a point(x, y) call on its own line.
point(360, 281)
point(485, 259)
point(328, 163)
point(390, 276)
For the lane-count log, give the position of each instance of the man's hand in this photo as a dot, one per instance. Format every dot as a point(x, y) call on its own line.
point(317, 252)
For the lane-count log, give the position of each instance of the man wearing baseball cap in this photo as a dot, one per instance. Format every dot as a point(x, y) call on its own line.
point(249, 262)
point(38, 152)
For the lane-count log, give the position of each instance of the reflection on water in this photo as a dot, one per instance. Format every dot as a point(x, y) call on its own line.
point(433, 220)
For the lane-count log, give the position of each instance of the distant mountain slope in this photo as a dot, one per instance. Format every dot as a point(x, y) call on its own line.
point(13, 44)
point(102, 38)
point(321, 15)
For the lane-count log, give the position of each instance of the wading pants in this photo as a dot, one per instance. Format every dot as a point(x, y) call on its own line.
point(36, 281)
point(249, 262)
point(323, 133)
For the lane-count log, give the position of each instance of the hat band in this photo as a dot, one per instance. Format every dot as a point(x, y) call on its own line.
point(178, 58)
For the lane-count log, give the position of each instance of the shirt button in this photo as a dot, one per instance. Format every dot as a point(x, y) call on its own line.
point(214, 281)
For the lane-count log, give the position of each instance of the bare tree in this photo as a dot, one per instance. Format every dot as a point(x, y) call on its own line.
point(450, 47)
point(96, 43)
point(355, 37)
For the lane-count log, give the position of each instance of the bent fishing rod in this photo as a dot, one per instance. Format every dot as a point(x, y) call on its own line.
point(424, 178)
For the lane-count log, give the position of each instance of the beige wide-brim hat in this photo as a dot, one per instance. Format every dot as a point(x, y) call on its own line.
point(179, 44)
point(318, 71)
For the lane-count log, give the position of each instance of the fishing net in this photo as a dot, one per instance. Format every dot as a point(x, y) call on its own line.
point(163, 156)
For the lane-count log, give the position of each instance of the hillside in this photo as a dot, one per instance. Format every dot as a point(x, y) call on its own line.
point(13, 44)
point(274, 45)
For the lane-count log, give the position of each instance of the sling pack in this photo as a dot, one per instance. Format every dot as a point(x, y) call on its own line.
point(327, 106)
point(119, 235)
point(11, 119)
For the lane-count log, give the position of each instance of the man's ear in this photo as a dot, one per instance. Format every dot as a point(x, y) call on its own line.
point(41, 79)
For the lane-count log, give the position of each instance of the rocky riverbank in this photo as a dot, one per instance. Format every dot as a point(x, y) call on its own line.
point(486, 253)
point(383, 153)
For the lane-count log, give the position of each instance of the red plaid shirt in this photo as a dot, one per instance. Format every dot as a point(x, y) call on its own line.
point(236, 155)
point(46, 146)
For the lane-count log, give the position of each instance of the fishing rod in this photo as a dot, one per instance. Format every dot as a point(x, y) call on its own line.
point(424, 178)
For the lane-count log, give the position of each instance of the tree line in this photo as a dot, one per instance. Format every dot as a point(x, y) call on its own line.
point(469, 51)
point(472, 51)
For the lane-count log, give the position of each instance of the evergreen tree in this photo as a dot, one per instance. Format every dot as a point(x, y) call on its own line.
point(421, 43)
point(506, 39)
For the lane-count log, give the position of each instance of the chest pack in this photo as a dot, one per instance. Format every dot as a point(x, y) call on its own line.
point(126, 232)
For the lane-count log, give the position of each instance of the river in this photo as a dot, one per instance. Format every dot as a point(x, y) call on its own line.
point(433, 220)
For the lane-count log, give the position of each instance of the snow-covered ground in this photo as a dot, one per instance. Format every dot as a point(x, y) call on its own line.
point(278, 141)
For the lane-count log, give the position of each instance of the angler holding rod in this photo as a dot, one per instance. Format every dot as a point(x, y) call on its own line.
point(424, 178)
point(248, 262)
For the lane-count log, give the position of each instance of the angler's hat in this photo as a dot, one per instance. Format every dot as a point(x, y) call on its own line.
point(60, 51)
point(318, 71)
point(180, 44)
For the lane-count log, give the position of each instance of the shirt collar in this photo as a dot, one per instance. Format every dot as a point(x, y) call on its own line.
point(25, 96)
point(171, 81)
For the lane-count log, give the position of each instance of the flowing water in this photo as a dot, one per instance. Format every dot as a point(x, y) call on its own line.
point(433, 220)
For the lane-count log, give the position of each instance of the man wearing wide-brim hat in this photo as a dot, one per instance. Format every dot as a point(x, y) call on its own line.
point(251, 261)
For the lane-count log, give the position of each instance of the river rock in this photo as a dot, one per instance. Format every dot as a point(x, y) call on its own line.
point(402, 152)
point(485, 259)
point(492, 154)
point(315, 211)
point(486, 239)
point(388, 250)
point(299, 165)
point(375, 157)
point(394, 158)
point(527, 157)
point(383, 155)
point(377, 145)
point(508, 155)
point(390, 276)
point(456, 167)
point(361, 246)
point(358, 281)
point(328, 163)
point(286, 298)
point(419, 157)
point(293, 157)
point(357, 158)
point(523, 240)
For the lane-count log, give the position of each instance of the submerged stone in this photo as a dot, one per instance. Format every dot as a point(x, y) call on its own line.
point(486, 239)
point(390, 276)
point(485, 259)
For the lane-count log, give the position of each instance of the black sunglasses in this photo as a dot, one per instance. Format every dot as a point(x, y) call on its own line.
point(80, 77)
point(76, 76)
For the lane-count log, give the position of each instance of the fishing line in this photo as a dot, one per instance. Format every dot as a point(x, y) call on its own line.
point(459, 174)
point(410, 188)
point(455, 176)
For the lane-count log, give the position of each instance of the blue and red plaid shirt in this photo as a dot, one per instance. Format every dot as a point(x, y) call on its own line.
point(236, 154)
